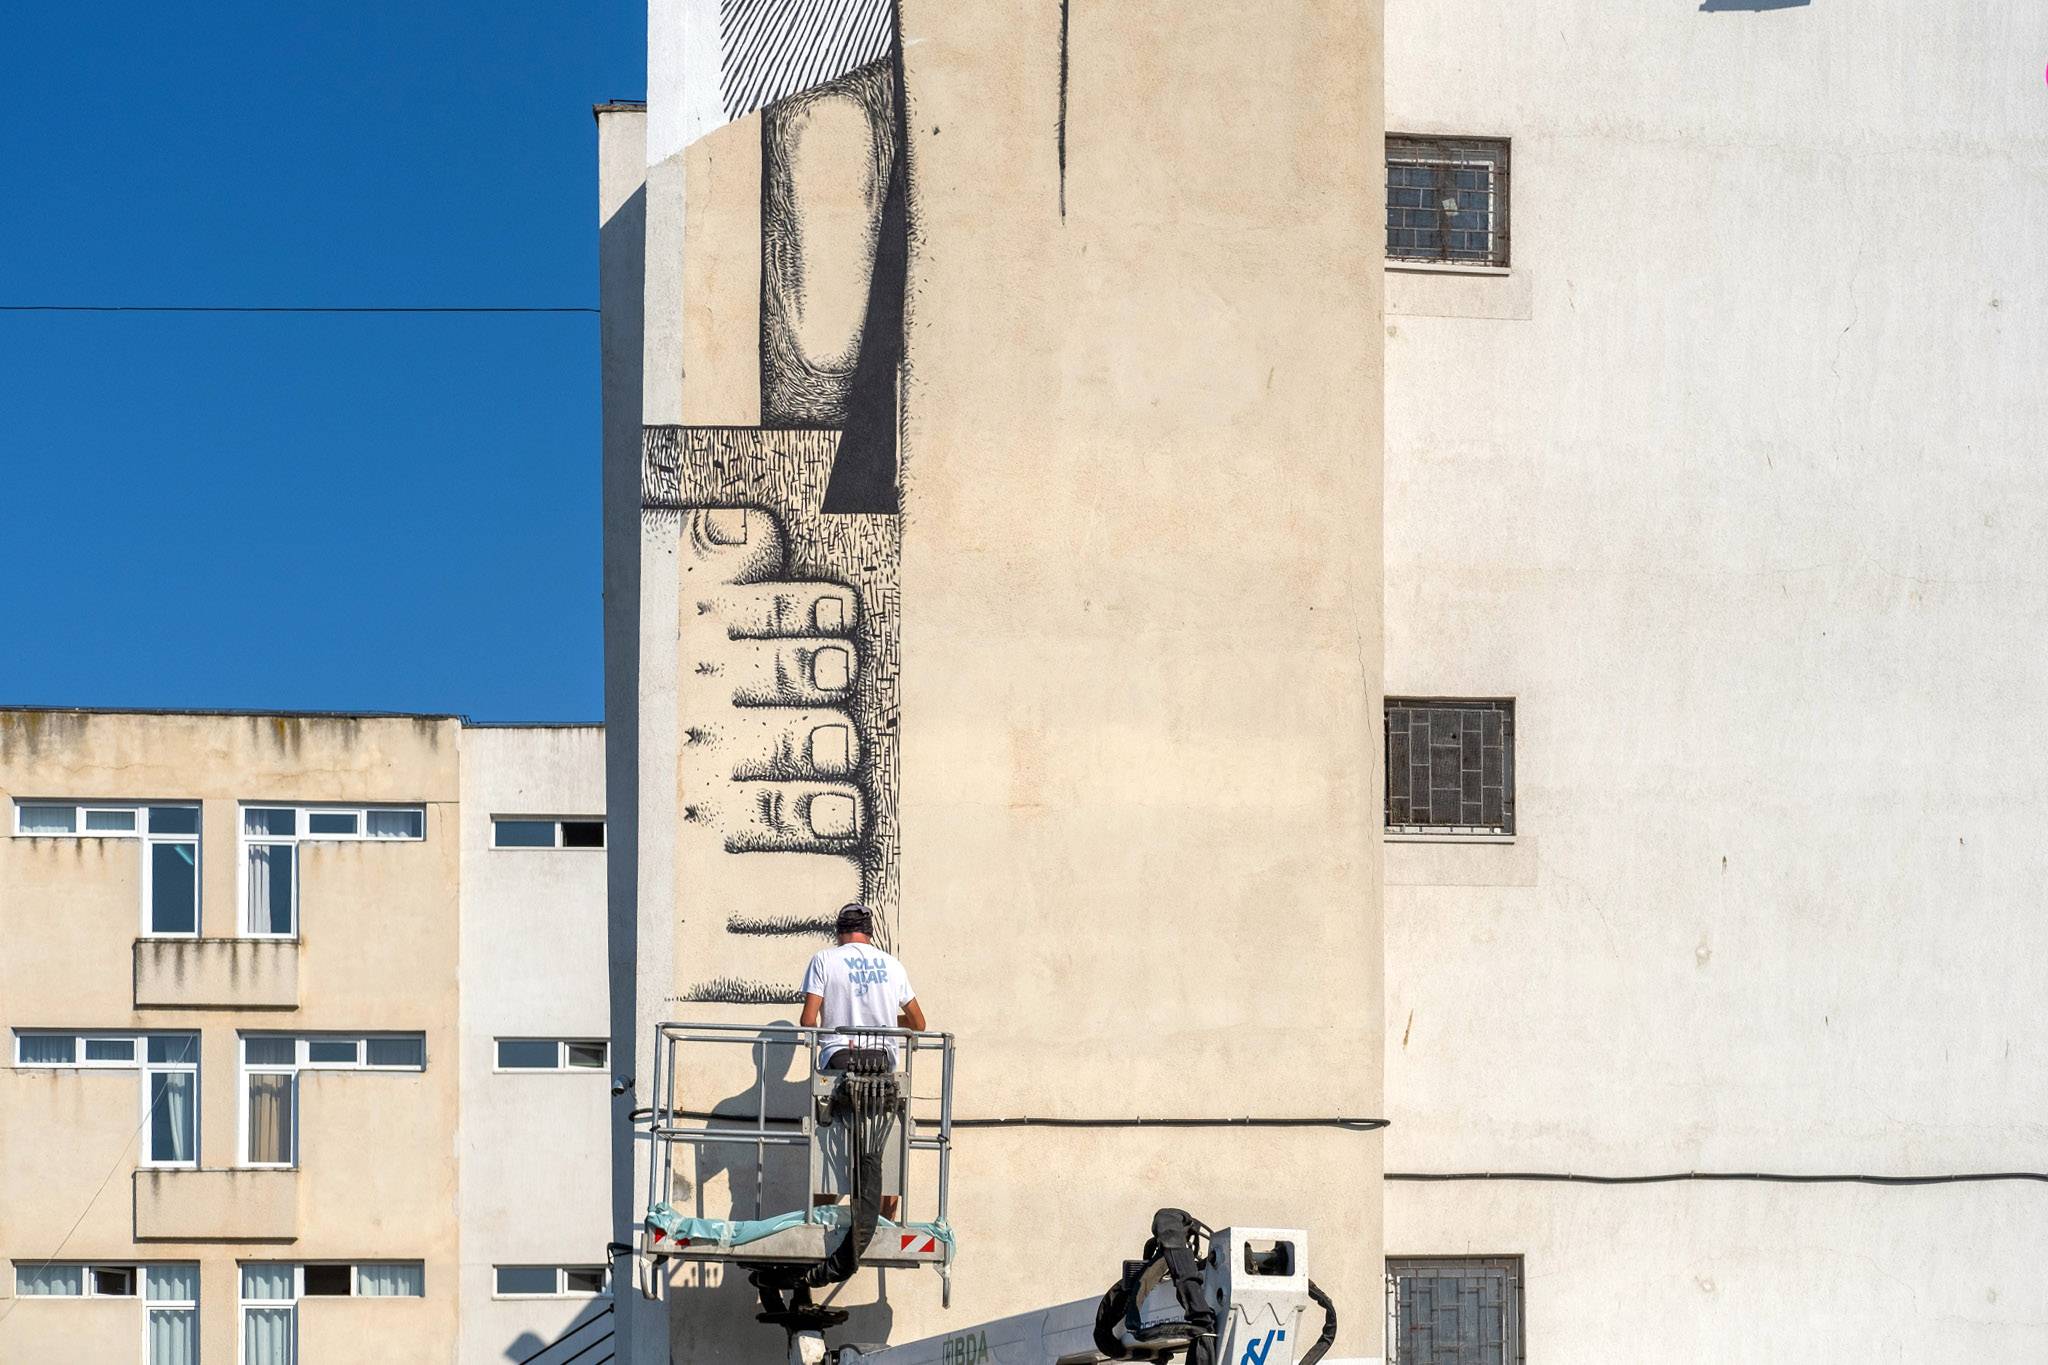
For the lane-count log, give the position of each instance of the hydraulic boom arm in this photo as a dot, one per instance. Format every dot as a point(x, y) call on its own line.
point(1233, 1297)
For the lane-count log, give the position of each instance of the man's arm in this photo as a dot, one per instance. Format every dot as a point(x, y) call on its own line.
point(912, 1015)
point(814, 1010)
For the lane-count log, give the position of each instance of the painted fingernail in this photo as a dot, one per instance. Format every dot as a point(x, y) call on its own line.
point(831, 668)
point(831, 748)
point(831, 815)
point(726, 525)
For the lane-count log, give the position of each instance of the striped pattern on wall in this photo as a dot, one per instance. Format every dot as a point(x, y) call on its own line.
point(770, 49)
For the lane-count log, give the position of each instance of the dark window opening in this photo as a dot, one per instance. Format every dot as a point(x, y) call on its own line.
point(329, 1281)
point(1454, 1310)
point(1450, 766)
point(113, 1281)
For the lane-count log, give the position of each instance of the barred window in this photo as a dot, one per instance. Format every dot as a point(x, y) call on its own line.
point(1445, 1310)
point(1450, 767)
point(1447, 200)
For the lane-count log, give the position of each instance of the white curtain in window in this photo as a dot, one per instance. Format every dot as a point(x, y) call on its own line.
point(270, 1124)
point(173, 1336)
point(395, 824)
point(267, 1336)
point(170, 1116)
point(270, 888)
point(48, 819)
point(267, 1280)
point(175, 1281)
point(54, 1049)
point(38, 1280)
point(391, 1281)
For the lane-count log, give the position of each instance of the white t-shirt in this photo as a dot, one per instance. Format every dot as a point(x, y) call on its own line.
point(863, 988)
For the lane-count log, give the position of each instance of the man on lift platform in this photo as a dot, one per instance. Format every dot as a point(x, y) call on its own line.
point(853, 987)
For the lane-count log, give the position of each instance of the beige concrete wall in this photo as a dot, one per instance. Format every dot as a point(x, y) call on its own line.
point(1140, 633)
point(378, 951)
point(93, 1331)
point(1141, 579)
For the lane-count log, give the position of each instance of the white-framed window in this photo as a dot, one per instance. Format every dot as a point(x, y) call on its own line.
point(547, 831)
point(74, 1281)
point(552, 1054)
point(170, 871)
point(169, 833)
point(271, 835)
point(44, 1048)
point(170, 1096)
point(169, 1067)
point(170, 1289)
point(271, 1063)
point(271, 1291)
point(548, 1281)
point(270, 1313)
point(172, 1324)
point(66, 818)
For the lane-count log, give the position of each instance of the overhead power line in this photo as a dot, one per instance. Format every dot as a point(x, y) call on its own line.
point(1764, 1177)
point(278, 308)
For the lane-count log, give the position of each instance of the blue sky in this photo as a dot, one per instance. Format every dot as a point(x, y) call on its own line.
point(382, 513)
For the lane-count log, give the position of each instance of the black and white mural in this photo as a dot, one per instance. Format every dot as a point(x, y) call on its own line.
point(789, 533)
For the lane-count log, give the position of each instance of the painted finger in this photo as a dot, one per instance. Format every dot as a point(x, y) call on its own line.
point(790, 672)
point(796, 817)
point(723, 545)
point(766, 611)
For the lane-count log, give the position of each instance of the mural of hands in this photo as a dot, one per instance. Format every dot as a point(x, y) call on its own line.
point(767, 676)
point(777, 784)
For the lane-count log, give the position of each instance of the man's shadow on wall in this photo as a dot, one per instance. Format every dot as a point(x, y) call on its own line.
point(712, 1305)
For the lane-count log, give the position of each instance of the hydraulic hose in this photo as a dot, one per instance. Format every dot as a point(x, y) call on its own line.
point(1329, 1336)
point(865, 1103)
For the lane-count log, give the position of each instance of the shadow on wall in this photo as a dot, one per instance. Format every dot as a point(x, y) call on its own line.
point(591, 1329)
point(712, 1306)
point(1749, 6)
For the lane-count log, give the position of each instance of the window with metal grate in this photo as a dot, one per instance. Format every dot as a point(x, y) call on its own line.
point(1450, 766)
point(1447, 200)
point(1444, 1310)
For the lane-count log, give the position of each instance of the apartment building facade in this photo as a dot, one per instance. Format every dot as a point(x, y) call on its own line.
point(535, 1157)
point(1712, 487)
point(231, 1110)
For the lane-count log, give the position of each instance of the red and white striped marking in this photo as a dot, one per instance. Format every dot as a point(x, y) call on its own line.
point(918, 1243)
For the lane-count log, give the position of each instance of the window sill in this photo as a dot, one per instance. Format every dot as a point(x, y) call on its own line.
point(1448, 268)
point(546, 1298)
point(1394, 836)
point(547, 848)
point(549, 1071)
